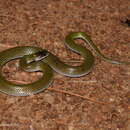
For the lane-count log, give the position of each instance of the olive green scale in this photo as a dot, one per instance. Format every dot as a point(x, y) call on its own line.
point(34, 59)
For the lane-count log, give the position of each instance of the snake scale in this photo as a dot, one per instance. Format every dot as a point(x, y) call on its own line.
point(34, 59)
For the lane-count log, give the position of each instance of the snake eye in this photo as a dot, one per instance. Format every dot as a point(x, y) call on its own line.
point(41, 55)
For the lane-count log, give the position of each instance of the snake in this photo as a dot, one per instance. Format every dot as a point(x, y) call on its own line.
point(33, 59)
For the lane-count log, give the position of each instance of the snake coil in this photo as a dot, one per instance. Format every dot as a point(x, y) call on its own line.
point(37, 59)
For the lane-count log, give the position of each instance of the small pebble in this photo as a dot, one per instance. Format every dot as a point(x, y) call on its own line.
point(49, 98)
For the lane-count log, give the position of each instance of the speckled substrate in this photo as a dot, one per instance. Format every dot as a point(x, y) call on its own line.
point(45, 23)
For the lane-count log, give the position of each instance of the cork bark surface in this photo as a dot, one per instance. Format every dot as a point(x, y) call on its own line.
point(97, 101)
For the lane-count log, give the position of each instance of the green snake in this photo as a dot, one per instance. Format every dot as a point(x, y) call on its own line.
point(34, 59)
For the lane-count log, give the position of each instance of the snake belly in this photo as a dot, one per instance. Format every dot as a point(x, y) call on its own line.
point(46, 62)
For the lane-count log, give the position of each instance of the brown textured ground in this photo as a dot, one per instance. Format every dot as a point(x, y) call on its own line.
point(65, 106)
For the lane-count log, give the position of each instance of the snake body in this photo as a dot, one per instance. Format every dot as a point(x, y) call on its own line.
point(37, 59)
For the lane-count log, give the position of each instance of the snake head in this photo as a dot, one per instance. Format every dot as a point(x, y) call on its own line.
point(36, 56)
point(41, 55)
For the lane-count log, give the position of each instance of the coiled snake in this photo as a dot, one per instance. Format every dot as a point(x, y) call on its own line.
point(38, 59)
